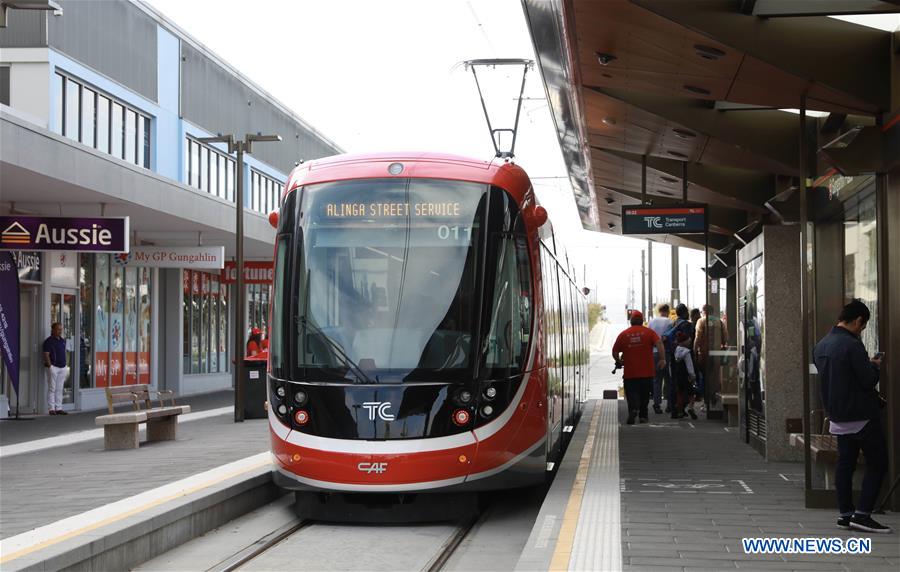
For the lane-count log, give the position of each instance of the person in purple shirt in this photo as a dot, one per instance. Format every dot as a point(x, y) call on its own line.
point(57, 370)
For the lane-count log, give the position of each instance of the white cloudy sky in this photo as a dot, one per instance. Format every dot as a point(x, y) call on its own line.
point(380, 76)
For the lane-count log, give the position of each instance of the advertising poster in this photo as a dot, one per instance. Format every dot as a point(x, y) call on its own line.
point(116, 326)
point(131, 330)
point(101, 355)
point(9, 317)
point(144, 328)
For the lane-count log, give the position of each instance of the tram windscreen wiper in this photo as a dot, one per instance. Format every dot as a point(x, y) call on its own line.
point(304, 323)
point(336, 348)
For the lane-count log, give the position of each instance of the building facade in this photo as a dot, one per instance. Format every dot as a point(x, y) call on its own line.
point(102, 111)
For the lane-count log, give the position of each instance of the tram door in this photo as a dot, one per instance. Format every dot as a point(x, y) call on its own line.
point(63, 304)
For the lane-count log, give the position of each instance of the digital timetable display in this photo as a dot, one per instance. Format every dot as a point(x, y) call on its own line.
point(638, 219)
point(392, 209)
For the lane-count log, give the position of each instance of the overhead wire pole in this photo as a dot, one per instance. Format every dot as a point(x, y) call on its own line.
point(239, 147)
point(649, 277)
point(495, 133)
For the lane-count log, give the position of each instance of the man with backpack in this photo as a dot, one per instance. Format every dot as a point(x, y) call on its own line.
point(684, 326)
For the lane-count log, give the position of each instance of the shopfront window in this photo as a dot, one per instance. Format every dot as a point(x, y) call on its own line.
point(86, 342)
point(101, 321)
point(116, 302)
point(258, 302)
point(130, 324)
point(144, 330)
point(861, 260)
point(204, 315)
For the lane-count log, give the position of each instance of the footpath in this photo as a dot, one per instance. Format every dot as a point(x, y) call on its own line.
point(56, 480)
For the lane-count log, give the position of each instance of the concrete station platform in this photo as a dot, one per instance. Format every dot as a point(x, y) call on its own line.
point(62, 496)
point(680, 495)
point(669, 495)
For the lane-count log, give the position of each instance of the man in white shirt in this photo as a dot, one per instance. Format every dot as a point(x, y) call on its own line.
point(660, 324)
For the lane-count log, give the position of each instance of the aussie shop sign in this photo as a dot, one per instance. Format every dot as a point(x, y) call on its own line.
point(99, 234)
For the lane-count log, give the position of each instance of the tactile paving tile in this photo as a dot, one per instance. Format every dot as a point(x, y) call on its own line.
point(598, 537)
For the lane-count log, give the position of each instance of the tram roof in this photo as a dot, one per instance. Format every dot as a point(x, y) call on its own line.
point(424, 165)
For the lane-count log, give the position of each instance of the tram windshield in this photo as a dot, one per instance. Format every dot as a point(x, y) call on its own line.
point(385, 281)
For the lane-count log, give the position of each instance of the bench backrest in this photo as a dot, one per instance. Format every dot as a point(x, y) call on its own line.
point(134, 394)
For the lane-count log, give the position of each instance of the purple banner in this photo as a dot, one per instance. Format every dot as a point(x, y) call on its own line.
point(100, 234)
point(9, 316)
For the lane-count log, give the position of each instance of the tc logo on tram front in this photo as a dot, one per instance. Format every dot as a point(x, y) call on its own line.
point(379, 408)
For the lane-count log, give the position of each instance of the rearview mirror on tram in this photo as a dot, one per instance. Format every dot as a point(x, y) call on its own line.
point(539, 216)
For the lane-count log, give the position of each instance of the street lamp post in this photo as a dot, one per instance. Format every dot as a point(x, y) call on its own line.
point(239, 147)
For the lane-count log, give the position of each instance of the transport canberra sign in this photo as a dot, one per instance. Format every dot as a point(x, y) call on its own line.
point(663, 220)
point(100, 234)
point(195, 257)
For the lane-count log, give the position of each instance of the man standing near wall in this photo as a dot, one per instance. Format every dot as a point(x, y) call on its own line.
point(57, 370)
point(848, 379)
point(634, 349)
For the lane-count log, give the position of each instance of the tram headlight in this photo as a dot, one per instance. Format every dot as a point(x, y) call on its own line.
point(282, 409)
point(490, 392)
point(487, 410)
point(461, 417)
point(300, 397)
point(464, 396)
point(279, 391)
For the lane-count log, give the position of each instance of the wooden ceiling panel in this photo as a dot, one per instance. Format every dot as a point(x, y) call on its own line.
point(761, 83)
point(636, 130)
point(651, 53)
point(614, 172)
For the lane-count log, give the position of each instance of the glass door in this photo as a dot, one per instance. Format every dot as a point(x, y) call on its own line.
point(63, 309)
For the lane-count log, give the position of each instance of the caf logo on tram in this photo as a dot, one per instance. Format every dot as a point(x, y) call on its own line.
point(426, 330)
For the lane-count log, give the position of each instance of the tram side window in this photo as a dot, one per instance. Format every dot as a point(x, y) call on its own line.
point(510, 326)
point(276, 350)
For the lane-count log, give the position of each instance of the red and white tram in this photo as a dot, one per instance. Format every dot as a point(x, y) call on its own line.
point(426, 332)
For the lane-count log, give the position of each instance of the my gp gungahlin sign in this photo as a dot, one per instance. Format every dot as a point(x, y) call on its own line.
point(99, 234)
point(685, 219)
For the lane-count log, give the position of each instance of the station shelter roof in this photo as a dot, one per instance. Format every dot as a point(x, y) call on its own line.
point(711, 88)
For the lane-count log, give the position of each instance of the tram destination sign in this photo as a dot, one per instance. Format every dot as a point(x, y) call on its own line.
point(687, 219)
point(83, 234)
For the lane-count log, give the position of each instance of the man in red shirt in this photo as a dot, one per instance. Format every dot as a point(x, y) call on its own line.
point(634, 349)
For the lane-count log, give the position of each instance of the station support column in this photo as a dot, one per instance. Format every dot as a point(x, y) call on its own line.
point(676, 290)
point(649, 279)
point(888, 225)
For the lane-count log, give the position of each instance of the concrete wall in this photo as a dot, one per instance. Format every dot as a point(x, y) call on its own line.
point(29, 82)
point(784, 375)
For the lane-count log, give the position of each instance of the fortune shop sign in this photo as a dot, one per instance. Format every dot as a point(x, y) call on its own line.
point(255, 272)
point(98, 234)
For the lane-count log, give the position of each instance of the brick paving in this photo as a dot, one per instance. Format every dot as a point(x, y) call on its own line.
point(48, 485)
point(689, 494)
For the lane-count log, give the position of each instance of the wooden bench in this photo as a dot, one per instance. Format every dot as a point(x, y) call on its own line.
point(120, 430)
point(823, 450)
point(730, 406)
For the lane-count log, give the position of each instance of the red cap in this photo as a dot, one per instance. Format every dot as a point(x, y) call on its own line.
point(255, 331)
point(637, 314)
